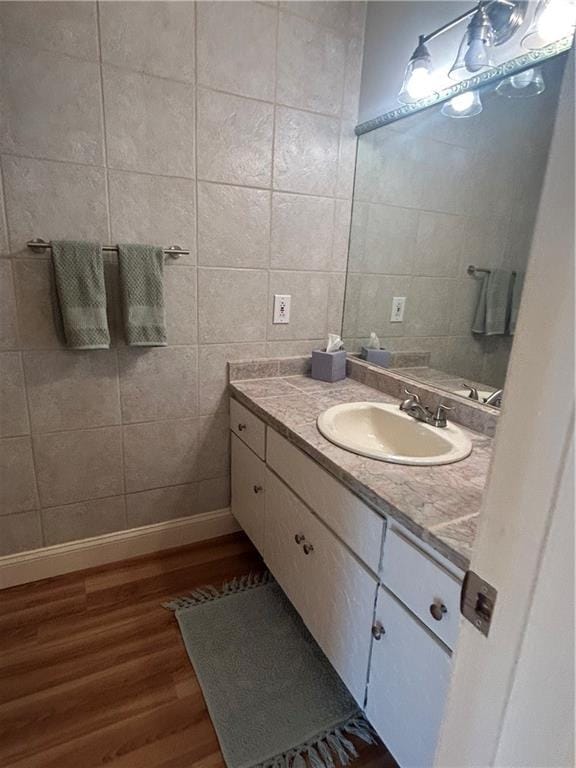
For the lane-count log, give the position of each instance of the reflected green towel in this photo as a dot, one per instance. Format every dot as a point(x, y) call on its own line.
point(517, 288)
point(142, 294)
point(491, 316)
point(79, 277)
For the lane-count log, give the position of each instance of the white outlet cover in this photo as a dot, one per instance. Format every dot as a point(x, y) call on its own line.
point(281, 309)
point(398, 305)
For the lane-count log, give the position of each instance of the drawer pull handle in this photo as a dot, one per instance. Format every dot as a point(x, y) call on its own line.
point(308, 548)
point(258, 489)
point(299, 538)
point(241, 427)
point(378, 630)
point(438, 609)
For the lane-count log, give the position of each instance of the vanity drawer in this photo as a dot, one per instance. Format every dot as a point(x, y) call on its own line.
point(354, 522)
point(248, 427)
point(423, 585)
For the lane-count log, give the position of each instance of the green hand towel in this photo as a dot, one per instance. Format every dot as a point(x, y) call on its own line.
point(491, 316)
point(142, 294)
point(517, 288)
point(79, 277)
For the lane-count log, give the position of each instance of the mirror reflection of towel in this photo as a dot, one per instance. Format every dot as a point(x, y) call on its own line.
point(517, 286)
point(492, 312)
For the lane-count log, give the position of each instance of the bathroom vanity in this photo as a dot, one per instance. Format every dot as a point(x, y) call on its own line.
point(376, 575)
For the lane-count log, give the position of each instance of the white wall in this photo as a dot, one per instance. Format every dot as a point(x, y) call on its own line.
point(392, 30)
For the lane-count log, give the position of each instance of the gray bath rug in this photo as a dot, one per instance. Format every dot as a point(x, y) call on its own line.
point(273, 697)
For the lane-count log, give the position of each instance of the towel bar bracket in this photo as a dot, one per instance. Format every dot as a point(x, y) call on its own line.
point(40, 246)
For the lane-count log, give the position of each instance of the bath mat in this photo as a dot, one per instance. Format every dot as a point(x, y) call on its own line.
point(273, 697)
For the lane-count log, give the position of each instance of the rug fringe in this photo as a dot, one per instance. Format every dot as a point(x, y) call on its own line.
point(208, 593)
point(328, 747)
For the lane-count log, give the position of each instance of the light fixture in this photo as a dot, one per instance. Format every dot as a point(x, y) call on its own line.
point(474, 51)
point(553, 20)
point(465, 104)
point(418, 77)
point(522, 85)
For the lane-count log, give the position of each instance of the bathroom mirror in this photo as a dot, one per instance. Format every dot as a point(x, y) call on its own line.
point(443, 214)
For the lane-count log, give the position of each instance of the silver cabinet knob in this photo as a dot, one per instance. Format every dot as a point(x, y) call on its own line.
point(308, 548)
point(378, 630)
point(438, 609)
point(241, 427)
point(299, 538)
point(258, 489)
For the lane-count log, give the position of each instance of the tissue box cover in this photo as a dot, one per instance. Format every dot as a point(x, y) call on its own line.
point(328, 366)
point(380, 357)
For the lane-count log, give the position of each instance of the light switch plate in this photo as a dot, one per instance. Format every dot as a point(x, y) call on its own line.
point(397, 314)
point(281, 309)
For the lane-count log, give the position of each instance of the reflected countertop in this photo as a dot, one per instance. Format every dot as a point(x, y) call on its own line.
point(439, 504)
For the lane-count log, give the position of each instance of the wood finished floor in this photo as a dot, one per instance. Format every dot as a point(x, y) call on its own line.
point(93, 671)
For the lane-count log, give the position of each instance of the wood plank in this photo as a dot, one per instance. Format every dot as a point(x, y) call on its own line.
point(93, 671)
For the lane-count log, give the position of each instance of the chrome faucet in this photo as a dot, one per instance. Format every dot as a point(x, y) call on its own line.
point(413, 407)
point(495, 398)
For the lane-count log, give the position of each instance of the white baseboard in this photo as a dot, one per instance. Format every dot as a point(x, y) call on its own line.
point(44, 563)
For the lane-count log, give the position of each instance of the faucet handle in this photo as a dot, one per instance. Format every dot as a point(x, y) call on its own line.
point(440, 415)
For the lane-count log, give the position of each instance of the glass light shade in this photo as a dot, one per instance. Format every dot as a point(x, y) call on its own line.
point(522, 85)
point(418, 78)
point(471, 53)
point(466, 104)
point(553, 20)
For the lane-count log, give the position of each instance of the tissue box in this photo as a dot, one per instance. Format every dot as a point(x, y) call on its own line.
point(328, 366)
point(381, 357)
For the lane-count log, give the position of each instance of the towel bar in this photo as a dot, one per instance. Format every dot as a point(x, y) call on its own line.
point(472, 270)
point(39, 246)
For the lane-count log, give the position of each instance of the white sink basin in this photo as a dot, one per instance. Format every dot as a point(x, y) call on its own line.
point(383, 431)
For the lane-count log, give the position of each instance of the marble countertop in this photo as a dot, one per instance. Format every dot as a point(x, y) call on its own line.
point(439, 504)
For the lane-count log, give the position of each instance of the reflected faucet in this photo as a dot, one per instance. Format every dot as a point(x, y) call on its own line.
point(495, 398)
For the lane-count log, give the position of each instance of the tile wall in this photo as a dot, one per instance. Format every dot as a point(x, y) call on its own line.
point(226, 128)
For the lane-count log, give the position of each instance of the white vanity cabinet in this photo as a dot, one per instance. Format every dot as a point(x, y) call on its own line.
point(382, 605)
point(331, 590)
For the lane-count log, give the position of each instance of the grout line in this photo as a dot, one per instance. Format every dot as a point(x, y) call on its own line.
point(196, 207)
point(4, 212)
point(103, 122)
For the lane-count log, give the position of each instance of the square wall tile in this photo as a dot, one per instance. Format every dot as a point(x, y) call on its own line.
point(149, 123)
point(214, 494)
point(342, 222)
point(232, 305)
point(57, 201)
point(369, 304)
point(390, 241)
point(306, 152)
point(213, 372)
point(181, 304)
point(237, 48)
point(153, 209)
point(302, 232)
point(310, 293)
point(50, 106)
point(213, 454)
point(79, 465)
point(62, 27)
point(439, 244)
point(346, 160)
point(233, 226)
point(158, 383)
point(3, 228)
point(161, 504)
point(334, 14)
point(156, 38)
point(13, 409)
point(429, 306)
point(72, 390)
point(160, 453)
point(336, 303)
point(311, 63)
point(234, 139)
point(17, 481)
point(83, 521)
point(353, 75)
point(19, 533)
point(8, 327)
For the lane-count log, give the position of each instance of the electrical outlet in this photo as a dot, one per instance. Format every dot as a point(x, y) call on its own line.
point(398, 305)
point(281, 309)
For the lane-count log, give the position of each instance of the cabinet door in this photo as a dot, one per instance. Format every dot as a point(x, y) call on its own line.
point(331, 590)
point(248, 491)
point(409, 677)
